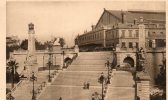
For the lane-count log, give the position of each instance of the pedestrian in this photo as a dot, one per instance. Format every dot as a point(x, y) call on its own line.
point(84, 85)
point(60, 98)
point(93, 97)
point(88, 84)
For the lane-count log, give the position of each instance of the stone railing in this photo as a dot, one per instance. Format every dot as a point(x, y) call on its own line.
point(17, 85)
point(20, 52)
point(9, 95)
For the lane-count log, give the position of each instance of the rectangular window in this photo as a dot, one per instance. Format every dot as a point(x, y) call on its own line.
point(123, 45)
point(130, 33)
point(137, 45)
point(137, 33)
point(130, 45)
point(150, 43)
point(161, 33)
point(113, 35)
point(123, 33)
point(160, 43)
point(149, 34)
point(116, 33)
point(153, 34)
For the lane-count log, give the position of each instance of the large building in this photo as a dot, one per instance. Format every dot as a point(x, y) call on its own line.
point(127, 31)
point(121, 28)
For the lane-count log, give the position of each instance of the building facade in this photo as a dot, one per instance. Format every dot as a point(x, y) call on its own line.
point(127, 31)
point(122, 28)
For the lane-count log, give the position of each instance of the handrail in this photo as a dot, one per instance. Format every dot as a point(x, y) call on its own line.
point(17, 85)
point(13, 89)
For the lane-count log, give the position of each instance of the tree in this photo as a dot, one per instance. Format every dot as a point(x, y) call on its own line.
point(10, 49)
point(38, 45)
point(24, 44)
point(62, 42)
point(12, 66)
point(161, 79)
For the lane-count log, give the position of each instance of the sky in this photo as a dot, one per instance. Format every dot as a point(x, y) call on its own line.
point(64, 19)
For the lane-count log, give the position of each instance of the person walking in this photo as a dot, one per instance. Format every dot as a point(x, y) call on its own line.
point(88, 84)
point(60, 98)
point(93, 97)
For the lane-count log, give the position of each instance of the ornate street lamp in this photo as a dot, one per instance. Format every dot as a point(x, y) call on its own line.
point(43, 62)
point(33, 78)
point(55, 59)
point(102, 78)
point(108, 77)
point(49, 65)
point(50, 49)
point(63, 53)
point(10, 97)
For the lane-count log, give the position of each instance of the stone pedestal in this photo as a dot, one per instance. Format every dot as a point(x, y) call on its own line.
point(56, 48)
point(76, 49)
point(61, 61)
point(118, 47)
point(143, 86)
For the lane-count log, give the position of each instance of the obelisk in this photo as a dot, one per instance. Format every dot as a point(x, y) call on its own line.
point(31, 59)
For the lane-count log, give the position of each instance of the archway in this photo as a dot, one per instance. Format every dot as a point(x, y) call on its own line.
point(129, 60)
point(67, 61)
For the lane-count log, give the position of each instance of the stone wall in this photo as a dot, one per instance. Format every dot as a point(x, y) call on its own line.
point(153, 60)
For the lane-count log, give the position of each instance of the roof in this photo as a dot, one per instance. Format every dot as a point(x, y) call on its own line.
point(131, 15)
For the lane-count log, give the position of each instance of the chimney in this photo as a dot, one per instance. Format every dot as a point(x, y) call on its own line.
point(135, 21)
point(93, 27)
point(141, 19)
point(123, 17)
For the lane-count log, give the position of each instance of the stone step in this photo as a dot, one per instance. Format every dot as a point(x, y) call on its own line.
point(120, 94)
point(90, 62)
point(68, 93)
point(78, 78)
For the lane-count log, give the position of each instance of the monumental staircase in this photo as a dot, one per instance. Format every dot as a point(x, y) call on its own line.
point(69, 84)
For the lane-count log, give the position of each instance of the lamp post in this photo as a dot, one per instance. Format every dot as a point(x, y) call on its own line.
point(108, 77)
point(49, 65)
point(10, 97)
point(55, 59)
point(33, 78)
point(43, 62)
point(102, 81)
point(63, 53)
point(50, 49)
point(114, 59)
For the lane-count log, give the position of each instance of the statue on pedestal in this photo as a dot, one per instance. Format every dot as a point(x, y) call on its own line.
point(141, 59)
point(142, 54)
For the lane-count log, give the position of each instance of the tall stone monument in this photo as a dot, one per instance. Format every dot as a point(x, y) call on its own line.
point(141, 33)
point(143, 79)
point(31, 59)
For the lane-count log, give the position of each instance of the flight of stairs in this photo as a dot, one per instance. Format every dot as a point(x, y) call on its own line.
point(24, 91)
point(121, 87)
point(87, 67)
